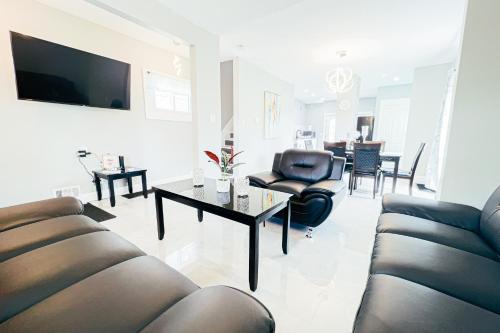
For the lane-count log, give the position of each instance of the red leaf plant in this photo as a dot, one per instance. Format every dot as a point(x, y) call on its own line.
point(225, 163)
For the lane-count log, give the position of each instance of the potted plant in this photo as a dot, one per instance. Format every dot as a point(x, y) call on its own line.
point(225, 165)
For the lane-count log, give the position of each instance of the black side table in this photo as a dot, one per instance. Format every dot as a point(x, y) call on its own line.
point(111, 176)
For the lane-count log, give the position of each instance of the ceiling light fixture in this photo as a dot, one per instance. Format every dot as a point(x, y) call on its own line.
point(340, 80)
point(396, 78)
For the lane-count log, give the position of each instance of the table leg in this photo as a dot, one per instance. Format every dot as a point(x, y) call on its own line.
point(159, 215)
point(286, 226)
point(130, 186)
point(144, 185)
point(395, 177)
point(200, 215)
point(97, 182)
point(111, 188)
point(253, 265)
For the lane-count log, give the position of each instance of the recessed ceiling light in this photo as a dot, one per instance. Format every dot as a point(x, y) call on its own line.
point(396, 78)
point(313, 94)
point(384, 75)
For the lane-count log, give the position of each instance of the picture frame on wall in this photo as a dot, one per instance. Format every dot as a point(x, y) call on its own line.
point(272, 115)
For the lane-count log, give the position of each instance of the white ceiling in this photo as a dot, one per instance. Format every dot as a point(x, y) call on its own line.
point(297, 40)
point(92, 13)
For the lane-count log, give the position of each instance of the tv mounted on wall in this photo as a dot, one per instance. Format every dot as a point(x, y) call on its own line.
point(49, 72)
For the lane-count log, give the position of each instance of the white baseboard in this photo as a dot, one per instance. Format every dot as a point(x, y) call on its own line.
point(120, 190)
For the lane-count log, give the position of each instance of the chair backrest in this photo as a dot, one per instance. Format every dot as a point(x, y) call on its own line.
point(417, 158)
point(382, 144)
point(337, 148)
point(489, 226)
point(306, 165)
point(366, 157)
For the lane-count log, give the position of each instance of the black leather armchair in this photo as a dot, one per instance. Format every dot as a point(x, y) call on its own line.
point(313, 177)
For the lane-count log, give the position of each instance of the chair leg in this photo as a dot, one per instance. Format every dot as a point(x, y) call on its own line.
point(351, 185)
point(411, 187)
point(309, 232)
point(374, 186)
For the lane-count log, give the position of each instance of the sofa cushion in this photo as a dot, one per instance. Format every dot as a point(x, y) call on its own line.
point(19, 215)
point(490, 220)
point(392, 304)
point(294, 187)
point(122, 298)
point(306, 165)
point(435, 232)
point(457, 215)
point(327, 187)
point(206, 310)
point(458, 273)
point(16, 241)
point(26, 281)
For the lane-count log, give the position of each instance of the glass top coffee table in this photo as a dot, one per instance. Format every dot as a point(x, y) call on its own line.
point(260, 204)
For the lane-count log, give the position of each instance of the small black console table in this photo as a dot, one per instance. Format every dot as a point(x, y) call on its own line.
point(113, 175)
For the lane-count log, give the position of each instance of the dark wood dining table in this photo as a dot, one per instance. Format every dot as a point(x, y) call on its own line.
point(384, 157)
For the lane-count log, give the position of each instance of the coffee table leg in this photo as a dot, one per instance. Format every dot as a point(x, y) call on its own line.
point(200, 215)
point(253, 265)
point(286, 227)
point(144, 185)
point(159, 216)
point(130, 186)
point(111, 188)
point(97, 182)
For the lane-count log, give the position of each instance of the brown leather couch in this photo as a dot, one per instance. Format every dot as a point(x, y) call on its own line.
point(61, 271)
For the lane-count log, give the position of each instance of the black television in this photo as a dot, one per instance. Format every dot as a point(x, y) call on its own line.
point(49, 72)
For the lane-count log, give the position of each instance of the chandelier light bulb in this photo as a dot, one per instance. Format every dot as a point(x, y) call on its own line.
point(340, 80)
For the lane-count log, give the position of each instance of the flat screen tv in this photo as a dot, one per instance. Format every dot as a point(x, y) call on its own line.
point(49, 72)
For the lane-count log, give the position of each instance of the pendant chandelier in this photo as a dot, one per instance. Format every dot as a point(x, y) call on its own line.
point(340, 80)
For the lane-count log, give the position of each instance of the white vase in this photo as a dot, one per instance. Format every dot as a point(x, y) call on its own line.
point(223, 184)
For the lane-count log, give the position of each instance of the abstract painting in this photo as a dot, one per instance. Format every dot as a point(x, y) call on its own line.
point(271, 115)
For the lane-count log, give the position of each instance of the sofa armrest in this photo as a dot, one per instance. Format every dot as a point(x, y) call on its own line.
point(216, 309)
point(18, 215)
point(264, 179)
point(327, 187)
point(457, 215)
point(338, 168)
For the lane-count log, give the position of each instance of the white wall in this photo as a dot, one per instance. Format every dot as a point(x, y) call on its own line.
point(250, 84)
point(39, 140)
point(427, 97)
point(205, 66)
point(472, 164)
point(315, 114)
point(226, 92)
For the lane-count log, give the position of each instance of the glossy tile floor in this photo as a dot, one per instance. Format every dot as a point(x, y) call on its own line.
point(317, 287)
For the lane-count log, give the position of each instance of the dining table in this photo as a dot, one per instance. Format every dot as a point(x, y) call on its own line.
point(384, 157)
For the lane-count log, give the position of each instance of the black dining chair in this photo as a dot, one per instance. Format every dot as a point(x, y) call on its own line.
point(338, 149)
point(366, 164)
point(405, 174)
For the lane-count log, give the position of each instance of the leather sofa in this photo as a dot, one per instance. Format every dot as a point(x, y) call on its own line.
point(435, 268)
point(63, 272)
point(313, 177)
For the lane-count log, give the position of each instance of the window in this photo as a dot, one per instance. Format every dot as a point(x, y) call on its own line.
point(167, 97)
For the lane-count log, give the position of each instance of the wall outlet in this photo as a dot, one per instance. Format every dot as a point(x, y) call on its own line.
point(70, 191)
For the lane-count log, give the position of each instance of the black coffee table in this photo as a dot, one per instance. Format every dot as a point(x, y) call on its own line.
point(113, 175)
point(259, 205)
